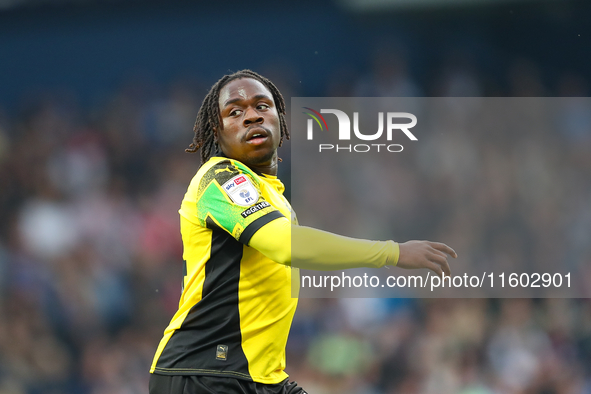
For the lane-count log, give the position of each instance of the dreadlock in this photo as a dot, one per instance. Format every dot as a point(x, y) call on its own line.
point(209, 118)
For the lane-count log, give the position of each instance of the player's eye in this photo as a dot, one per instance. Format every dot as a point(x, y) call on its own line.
point(235, 112)
point(263, 106)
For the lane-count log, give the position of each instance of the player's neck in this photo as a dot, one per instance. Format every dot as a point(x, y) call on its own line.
point(270, 169)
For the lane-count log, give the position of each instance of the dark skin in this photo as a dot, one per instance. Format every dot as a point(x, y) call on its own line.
point(250, 133)
point(250, 125)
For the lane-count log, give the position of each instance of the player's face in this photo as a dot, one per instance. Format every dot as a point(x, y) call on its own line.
point(251, 127)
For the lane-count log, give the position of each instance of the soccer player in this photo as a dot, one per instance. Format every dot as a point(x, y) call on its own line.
point(236, 309)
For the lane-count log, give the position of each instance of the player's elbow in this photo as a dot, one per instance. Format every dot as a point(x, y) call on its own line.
point(283, 258)
point(281, 255)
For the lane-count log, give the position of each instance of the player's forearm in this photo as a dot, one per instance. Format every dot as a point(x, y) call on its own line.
point(309, 248)
point(321, 250)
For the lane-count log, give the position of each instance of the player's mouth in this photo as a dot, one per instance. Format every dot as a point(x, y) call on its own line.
point(257, 136)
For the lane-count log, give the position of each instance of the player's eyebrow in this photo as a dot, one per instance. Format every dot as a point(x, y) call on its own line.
point(257, 97)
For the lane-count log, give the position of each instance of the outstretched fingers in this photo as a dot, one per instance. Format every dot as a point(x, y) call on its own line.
point(426, 254)
point(440, 259)
point(435, 268)
point(443, 248)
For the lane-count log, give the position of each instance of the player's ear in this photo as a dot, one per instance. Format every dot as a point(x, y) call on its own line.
point(216, 141)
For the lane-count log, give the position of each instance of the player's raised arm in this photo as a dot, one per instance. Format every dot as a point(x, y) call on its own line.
point(310, 248)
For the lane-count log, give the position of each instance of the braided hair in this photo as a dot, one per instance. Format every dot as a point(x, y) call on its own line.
point(209, 118)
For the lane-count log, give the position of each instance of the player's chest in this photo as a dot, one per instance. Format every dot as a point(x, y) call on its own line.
point(279, 201)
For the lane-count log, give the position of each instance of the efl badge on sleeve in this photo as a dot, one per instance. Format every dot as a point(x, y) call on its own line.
point(241, 190)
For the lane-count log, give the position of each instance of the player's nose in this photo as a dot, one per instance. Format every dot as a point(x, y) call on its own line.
point(252, 116)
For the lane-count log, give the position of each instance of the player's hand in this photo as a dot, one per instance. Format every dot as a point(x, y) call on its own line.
point(425, 254)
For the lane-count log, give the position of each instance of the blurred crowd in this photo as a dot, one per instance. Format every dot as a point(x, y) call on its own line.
point(91, 256)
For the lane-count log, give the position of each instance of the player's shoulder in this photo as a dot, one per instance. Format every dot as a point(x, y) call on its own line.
point(223, 171)
point(222, 179)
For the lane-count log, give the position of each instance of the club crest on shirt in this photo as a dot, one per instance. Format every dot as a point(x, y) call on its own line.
point(241, 190)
